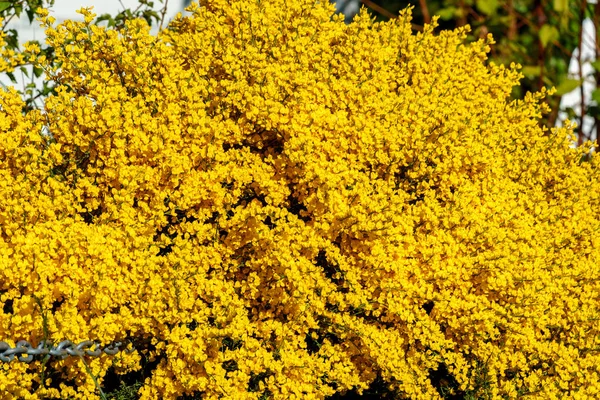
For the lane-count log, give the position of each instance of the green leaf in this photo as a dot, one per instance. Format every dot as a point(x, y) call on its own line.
point(30, 14)
point(104, 17)
point(596, 96)
point(560, 5)
point(548, 34)
point(4, 5)
point(531, 70)
point(38, 71)
point(47, 89)
point(11, 76)
point(24, 70)
point(488, 7)
point(149, 14)
point(567, 85)
point(547, 81)
point(596, 65)
point(12, 39)
point(446, 13)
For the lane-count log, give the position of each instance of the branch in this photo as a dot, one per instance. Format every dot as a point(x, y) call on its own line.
point(512, 27)
point(425, 11)
point(386, 13)
point(162, 15)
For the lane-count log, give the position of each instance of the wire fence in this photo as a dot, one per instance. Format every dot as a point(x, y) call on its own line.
point(26, 352)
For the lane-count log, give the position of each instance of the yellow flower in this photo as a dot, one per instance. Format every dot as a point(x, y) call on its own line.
point(284, 203)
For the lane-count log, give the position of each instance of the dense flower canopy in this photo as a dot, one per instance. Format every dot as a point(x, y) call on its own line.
point(288, 206)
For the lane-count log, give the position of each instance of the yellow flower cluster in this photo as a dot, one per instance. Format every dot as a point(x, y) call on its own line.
point(287, 206)
point(11, 59)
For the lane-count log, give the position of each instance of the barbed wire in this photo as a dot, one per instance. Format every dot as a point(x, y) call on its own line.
point(26, 352)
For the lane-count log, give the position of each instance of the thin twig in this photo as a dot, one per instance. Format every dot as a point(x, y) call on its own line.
point(6, 21)
point(386, 13)
point(162, 17)
point(425, 11)
point(379, 9)
point(512, 28)
point(462, 20)
point(89, 371)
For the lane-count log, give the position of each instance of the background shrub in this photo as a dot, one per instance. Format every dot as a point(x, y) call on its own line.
point(286, 206)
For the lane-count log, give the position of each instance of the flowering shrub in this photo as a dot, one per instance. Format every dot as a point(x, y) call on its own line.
point(286, 206)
